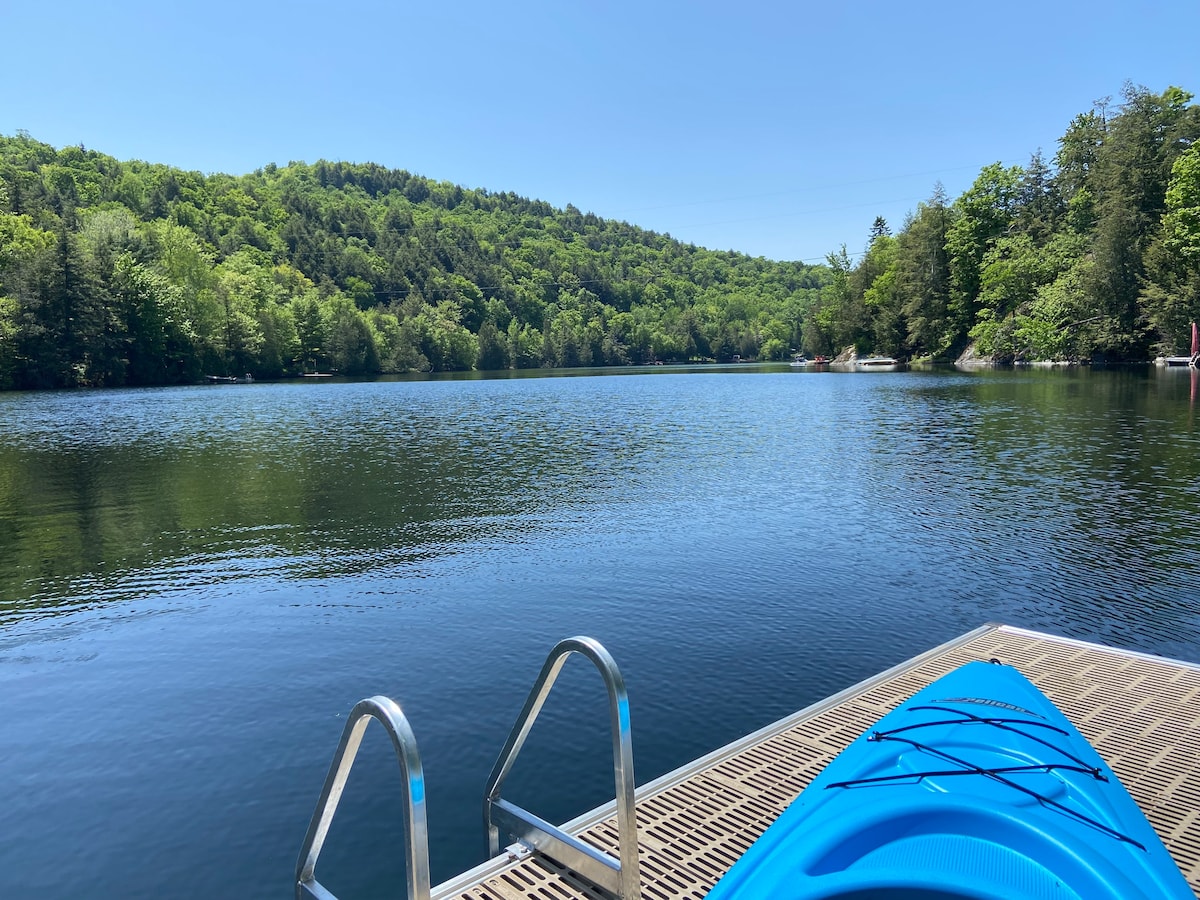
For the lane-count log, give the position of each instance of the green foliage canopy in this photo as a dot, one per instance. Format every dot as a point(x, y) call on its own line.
point(117, 273)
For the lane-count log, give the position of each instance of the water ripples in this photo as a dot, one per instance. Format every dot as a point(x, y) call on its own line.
point(745, 543)
point(950, 481)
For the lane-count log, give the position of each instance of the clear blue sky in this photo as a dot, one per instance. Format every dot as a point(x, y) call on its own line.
point(778, 129)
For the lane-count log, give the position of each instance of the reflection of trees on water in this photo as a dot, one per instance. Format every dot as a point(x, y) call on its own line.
point(1077, 489)
point(377, 482)
point(1043, 497)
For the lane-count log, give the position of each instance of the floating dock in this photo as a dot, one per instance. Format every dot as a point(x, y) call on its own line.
point(1142, 713)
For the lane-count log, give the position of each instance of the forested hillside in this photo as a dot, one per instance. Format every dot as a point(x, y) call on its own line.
point(1093, 257)
point(118, 273)
point(122, 273)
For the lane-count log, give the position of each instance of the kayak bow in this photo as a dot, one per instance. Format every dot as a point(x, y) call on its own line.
point(978, 788)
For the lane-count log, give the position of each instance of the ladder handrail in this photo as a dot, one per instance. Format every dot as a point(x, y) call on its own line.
point(391, 717)
point(622, 879)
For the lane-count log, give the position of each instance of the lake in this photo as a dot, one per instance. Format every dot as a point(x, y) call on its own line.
point(197, 584)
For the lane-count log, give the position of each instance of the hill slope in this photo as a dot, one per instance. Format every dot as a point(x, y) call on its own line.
point(117, 273)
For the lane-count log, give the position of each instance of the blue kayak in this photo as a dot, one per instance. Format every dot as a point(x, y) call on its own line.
point(978, 787)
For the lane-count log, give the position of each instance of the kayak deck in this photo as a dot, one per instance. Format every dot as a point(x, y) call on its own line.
point(1141, 713)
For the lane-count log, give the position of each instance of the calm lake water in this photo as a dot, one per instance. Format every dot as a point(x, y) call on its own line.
point(197, 584)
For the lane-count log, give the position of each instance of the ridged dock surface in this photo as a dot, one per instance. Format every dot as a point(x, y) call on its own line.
point(1141, 713)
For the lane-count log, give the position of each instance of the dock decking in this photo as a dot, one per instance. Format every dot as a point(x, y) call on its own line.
point(1141, 713)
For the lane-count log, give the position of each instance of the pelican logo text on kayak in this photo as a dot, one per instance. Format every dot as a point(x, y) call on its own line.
point(983, 701)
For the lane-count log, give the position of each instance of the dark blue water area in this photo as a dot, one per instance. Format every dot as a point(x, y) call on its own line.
point(199, 583)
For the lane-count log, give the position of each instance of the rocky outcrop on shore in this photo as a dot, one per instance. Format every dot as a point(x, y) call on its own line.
point(970, 358)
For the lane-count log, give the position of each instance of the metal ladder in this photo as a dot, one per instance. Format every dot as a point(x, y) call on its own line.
point(618, 877)
point(416, 829)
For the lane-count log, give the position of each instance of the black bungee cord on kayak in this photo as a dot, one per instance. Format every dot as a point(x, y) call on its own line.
point(997, 773)
point(1003, 723)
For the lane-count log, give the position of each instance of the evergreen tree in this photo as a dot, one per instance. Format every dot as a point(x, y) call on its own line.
point(923, 275)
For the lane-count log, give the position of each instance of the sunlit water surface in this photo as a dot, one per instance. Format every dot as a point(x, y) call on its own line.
point(197, 584)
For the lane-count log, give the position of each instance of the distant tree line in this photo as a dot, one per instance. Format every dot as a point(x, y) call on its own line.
point(1093, 257)
point(130, 273)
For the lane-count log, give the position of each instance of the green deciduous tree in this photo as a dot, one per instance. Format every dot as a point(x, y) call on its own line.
point(983, 215)
point(160, 339)
point(1171, 294)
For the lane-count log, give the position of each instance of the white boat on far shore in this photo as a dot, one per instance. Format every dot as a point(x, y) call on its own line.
point(879, 364)
point(799, 361)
